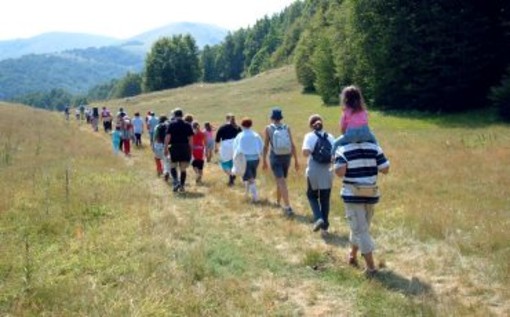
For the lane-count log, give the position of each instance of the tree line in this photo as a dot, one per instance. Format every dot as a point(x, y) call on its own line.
point(437, 56)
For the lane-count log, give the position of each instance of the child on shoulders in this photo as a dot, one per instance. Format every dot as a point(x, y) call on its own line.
point(354, 120)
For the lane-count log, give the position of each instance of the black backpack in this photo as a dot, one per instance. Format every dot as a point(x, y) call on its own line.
point(323, 150)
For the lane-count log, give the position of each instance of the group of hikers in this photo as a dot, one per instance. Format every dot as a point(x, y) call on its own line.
point(355, 157)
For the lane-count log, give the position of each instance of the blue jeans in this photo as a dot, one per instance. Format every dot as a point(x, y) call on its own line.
point(356, 135)
point(319, 202)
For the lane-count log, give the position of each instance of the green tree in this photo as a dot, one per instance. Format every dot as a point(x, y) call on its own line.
point(129, 86)
point(208, 64)
point(303, 64)
point(323, 65)
point(500, 96)
point(172, 62)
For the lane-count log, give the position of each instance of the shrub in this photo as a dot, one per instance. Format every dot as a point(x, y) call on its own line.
point(500, 96)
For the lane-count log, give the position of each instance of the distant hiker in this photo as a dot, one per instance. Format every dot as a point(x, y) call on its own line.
point(88, 115)
point(138, 129)
point(178, 145)
point(317, 147)
point(94, 118)
point(224, 145)
point(358, 164)
point(116, 140)
point(148, 116)
point(198, 152)
point(158, 147)
point(106, 117)
point(67, 112)
point(81, 108)
point(354, 120)
point(126, 129)
point(188, 118)
point(249, 144)
point(209, 140)
point(151, 125)
point(77, 113)
point(121, 111)
point(279, 144)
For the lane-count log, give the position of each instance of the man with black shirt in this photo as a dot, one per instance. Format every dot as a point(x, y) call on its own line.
point(224, 145)
point(178, 142)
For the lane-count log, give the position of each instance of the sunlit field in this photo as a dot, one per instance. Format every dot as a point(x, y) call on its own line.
point(85, 232)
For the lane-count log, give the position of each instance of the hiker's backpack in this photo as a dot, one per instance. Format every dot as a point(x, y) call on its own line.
point(159, 132)
point(322, 151)
point(280, 141)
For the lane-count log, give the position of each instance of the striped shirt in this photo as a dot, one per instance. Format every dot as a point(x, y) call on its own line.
point(364, 161)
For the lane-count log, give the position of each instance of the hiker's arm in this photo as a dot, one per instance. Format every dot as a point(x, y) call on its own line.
point(306, 146)
point(190, 142)
point(293, 151)
point(265, 149)
point(341, 170)
point(167, 141)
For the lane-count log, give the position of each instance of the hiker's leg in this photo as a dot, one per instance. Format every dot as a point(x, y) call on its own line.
point(313, 199)
point(324, 197)
point(359, 217)
point(282, 185)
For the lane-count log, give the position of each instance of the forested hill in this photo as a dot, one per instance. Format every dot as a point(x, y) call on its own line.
point(75, 71)
point(442, 56)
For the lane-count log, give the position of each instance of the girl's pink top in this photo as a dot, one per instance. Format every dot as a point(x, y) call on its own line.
point(352, 119)
point(208, 134)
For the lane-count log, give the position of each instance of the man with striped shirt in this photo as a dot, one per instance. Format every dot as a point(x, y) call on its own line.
point(359, 164)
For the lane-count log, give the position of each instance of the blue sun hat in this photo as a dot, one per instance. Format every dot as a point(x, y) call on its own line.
point(276, 114)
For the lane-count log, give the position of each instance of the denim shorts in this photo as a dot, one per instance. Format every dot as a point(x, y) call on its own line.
point(251, 170)
point(280, 165)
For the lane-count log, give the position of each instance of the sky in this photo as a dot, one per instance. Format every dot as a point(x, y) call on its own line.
point(127, 18)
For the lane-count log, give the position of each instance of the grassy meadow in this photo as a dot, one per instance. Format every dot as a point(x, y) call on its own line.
point(87, 233)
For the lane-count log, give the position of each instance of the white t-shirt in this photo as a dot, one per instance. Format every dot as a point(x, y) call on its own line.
point(311, 139)
point(137, 125)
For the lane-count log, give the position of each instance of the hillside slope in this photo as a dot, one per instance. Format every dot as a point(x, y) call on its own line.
point(89, 233)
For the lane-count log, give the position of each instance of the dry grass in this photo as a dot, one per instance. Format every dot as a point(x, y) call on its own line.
point(116, 241)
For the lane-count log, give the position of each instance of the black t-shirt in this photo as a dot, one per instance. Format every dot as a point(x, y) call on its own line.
point(160, 131)
point(227, 132)
point(180, 131)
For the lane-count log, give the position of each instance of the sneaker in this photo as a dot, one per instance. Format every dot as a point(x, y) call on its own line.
point(318, 225)
point(167, 177)
point(324, 233)
point(352, 261)
point(181, 189)
point(370, 274)
point(176, 187)
point(288, 212)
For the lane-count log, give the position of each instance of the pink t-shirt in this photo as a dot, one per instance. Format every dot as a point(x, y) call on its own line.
point(352, 119)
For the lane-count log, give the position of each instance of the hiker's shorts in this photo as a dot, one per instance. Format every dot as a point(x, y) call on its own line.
point(359, 217)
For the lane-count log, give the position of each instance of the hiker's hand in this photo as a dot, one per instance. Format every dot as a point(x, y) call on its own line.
point(264, 165)
point(166, 152)
point(296, 166)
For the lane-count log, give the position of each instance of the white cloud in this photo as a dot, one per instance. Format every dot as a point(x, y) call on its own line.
point(123, 19)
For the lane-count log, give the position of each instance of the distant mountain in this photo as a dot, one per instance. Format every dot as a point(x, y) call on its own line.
point(78, 62)
point(204, 34)
point(52, 42)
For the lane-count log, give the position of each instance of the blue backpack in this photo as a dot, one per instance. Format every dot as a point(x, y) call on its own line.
point(323, 150)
